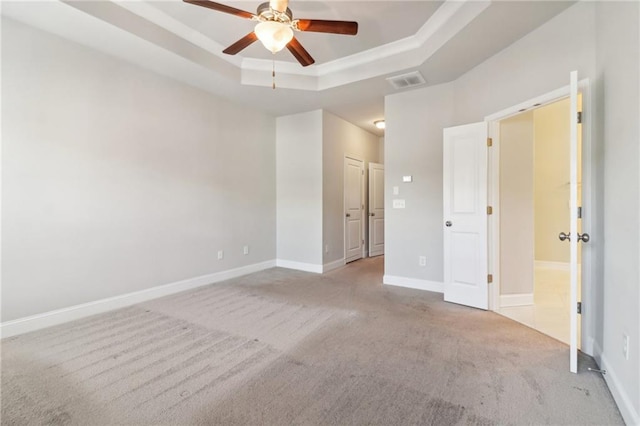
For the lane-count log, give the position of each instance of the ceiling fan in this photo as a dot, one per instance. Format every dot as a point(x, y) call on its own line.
point(276, 25)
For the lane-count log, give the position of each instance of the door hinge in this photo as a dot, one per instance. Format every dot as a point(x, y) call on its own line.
point(489, 141)
point(579, 212)
point(490, 278)
point(579, 307)
point(489, 210)
point(362, 241)
point(579, 117)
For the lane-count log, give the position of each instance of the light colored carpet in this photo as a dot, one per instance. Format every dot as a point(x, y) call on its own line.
point(284, 347)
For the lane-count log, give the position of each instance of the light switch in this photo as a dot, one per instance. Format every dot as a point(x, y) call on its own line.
point(407, 178)
point(396, 190)
point(398, 204)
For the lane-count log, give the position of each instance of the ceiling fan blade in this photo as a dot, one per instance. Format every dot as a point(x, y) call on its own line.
point(241, 44)
point(279, 5)
point(334, 27)
point(300, 52)
point(221, 8)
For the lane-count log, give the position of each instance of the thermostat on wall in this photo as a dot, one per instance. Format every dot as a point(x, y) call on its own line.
point(407, 178)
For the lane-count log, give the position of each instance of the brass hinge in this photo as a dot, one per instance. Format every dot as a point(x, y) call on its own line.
point(489, 142)
point(579, 117)
point(489, 210)
point(490, 278)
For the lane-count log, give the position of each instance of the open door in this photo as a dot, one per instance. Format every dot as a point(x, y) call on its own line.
point(574, 230)
point(465, 215)
point(376, 209)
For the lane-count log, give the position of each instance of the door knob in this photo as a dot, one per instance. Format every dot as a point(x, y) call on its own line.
point(581, 237)
point(348, 214)
point(372, 214)
point(448, 223)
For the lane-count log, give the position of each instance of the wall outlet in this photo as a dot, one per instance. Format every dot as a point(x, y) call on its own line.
point(220, 254)
point(422, 260)
point(245, 250)
point(625, 346)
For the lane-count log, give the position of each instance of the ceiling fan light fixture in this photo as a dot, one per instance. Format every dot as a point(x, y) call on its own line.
point(379, 124)
point(274, 35)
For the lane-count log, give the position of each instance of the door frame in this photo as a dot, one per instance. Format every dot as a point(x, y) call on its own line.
point(588, 197)
point(363, 215)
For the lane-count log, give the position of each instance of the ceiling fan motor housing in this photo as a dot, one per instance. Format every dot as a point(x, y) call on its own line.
point(266, 13)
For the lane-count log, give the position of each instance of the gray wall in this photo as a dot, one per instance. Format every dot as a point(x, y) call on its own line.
point(413, 146)
point(341, 138)
point(618, 63)
point(115, 179)
point(299, 187)
point(310, 185)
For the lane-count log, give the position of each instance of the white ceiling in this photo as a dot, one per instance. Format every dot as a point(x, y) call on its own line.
point(442, 40)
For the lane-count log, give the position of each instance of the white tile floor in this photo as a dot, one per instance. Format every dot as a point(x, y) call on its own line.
point(550, 312)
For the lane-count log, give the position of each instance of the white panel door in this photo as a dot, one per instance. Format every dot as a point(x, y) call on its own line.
point(354, 209)
point(573, 221)
point(465, 215)
point(376, 209)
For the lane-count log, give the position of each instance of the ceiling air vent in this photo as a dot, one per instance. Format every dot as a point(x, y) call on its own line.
point(406, 80)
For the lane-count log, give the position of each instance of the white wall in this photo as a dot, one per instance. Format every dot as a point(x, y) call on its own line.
point(516, 204)
point(413, 146)
point(341, 138)
point(618, 66)
point(299, 188)
point(115, 179)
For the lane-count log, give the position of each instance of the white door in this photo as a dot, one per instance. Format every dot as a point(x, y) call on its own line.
point(354, 209)
point(376, 209)
point(574, 230)
point(465, 215)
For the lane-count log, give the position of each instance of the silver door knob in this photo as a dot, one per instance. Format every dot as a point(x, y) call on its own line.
point(584, 237)
point(562, 236)
point(448, 223)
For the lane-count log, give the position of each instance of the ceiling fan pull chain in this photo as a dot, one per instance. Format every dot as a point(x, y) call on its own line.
point(273, 74)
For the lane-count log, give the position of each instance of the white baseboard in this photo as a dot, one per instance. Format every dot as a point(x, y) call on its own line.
point(300, 266)
point(416, 283)
point(521, 299)
point(60, 316)
point(333, 265)
point(620, 396)
point(556, 266)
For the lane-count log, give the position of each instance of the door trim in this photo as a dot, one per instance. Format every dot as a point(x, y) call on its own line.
point(588, 267)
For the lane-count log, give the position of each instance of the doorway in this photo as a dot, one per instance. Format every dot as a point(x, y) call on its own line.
point(534, 189)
